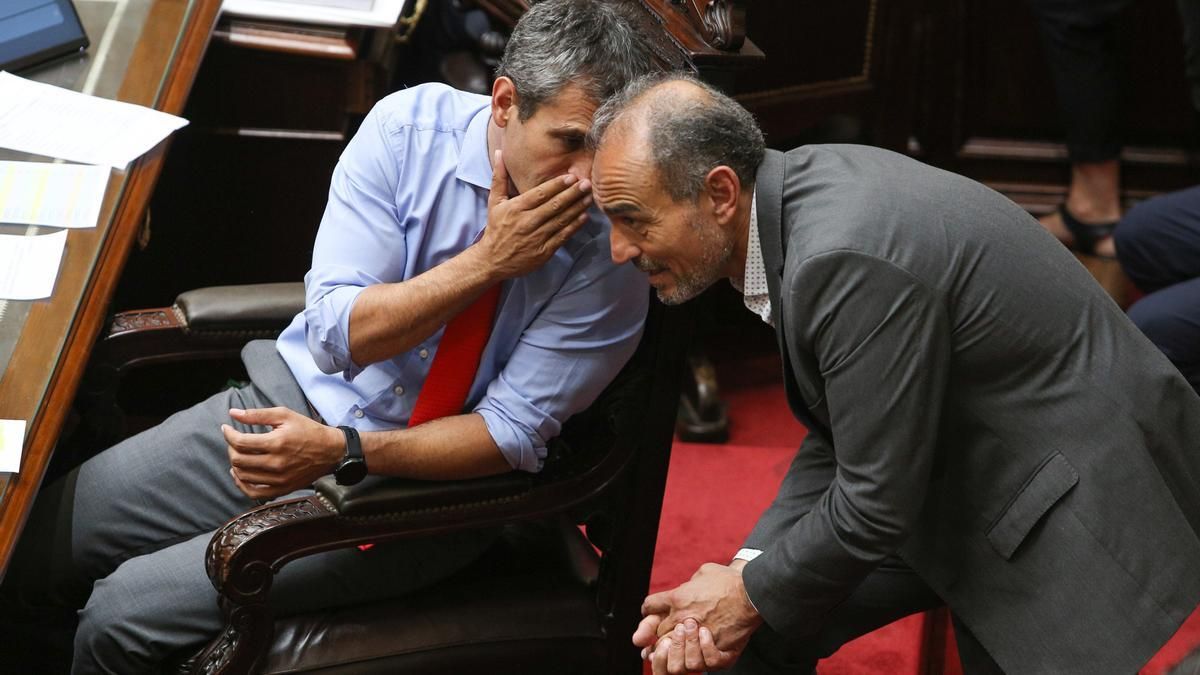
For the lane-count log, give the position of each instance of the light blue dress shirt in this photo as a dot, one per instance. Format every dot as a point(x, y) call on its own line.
point(409, 192)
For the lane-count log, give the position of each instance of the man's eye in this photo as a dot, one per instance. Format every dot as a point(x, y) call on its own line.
point(572, 142)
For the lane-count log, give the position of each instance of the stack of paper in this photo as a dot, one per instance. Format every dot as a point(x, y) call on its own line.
point(41, 119)
point(61, 195)
point(383, 13)
point(29, 265)
point(361, 5)
point(46, 120)
point(12, 437)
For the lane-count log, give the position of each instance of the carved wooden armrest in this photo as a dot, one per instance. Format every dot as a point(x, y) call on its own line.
point(203, 323)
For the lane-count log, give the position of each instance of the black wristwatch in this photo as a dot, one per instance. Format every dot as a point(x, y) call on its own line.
point(353, 467)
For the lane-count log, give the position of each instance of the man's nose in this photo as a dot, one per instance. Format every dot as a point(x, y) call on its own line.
point(623, 250)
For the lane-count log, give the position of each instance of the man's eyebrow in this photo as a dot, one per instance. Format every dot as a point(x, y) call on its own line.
point(621, 208)
point(570, 130)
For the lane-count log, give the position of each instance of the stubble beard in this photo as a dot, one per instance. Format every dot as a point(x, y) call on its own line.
point(716, 247)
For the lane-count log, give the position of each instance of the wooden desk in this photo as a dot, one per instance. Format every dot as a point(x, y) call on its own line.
point(145, 52)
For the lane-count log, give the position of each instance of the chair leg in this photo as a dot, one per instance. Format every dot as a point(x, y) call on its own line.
point(703, 416)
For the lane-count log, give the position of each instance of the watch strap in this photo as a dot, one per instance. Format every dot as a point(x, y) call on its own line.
point(353, 444)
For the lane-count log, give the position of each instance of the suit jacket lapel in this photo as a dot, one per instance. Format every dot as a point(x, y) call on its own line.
point(768, 188)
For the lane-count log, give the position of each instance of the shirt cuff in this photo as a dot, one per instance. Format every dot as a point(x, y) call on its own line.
point(747, 554)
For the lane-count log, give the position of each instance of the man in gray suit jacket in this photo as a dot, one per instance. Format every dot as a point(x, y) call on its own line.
point(987, 429)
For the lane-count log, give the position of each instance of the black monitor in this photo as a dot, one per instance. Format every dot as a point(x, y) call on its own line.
point(36, 31)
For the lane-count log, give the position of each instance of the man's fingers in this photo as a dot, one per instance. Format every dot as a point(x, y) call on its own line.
point(244, 442)
point(262, 417)
point(658, 603)
point(251, 491)
point(693, 660)
point(568, 230)
point(658, 660)
point(499, 180)
point(647, 631)
point(540, 195)
point(574, 214)
point(675, 661)
point(559, 202)
point(714, 659)
point(259, 463)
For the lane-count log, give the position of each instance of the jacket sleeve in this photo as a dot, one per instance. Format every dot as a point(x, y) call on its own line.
point(807, 478)
point(881, 339)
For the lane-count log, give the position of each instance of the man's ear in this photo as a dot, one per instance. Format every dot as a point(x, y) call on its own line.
point(504, 101)
point(723, 188)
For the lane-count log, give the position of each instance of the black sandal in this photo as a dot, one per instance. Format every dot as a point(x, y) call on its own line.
point(1086, 235)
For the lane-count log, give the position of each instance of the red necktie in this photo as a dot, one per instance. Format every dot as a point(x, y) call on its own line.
point(455, 364)
point(457, 360)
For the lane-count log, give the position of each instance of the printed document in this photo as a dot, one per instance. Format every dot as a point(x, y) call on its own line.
point(381, 14)
point(12, 439)
point(29, 265)
point(61, 195)
point(46, 120)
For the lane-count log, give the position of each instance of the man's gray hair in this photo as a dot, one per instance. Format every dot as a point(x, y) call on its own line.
point(688, 136)
point(590, 43)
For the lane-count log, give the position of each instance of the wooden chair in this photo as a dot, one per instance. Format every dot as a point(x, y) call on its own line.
point(559, 591)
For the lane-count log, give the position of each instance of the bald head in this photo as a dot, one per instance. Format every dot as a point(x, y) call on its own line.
point(682, 127)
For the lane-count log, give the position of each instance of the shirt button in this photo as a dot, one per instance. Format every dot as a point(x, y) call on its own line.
point(399, 390)
point(424, 353)
point(358, 413)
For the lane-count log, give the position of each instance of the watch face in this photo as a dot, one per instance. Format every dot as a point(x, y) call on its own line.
point(350, 471)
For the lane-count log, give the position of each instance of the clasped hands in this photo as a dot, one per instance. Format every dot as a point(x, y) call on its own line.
point(701, 625)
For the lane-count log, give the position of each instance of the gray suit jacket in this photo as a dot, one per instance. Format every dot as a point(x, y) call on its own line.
point(978, 406)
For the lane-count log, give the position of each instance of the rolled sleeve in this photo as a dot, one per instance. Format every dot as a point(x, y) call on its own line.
point(361, 242)
point(327, 335)
point(576, 345)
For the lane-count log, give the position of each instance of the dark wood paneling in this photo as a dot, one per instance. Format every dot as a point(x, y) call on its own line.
point(987, 107)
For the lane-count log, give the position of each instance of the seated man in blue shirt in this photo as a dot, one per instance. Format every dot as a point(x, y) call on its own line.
point(440, 196)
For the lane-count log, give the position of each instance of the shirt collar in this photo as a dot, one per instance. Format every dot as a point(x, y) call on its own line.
point(474, 163)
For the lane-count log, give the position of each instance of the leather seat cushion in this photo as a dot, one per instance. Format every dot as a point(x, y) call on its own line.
point(526, 606)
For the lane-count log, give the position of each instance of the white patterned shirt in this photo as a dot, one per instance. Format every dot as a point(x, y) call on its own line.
point(754, 285)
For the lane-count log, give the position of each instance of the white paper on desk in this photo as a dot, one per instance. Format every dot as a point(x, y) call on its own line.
point(384, 14)
point(61, 195)
point(46, 120)
point(29, 265)
point(12, 439)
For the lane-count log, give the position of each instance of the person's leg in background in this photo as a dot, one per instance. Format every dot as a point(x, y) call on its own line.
point(1158, 246)
point(1080, 42)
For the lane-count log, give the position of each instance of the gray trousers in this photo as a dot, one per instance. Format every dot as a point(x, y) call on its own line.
point(123, 537)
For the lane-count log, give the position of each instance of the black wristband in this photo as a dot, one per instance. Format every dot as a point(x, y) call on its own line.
point(353, 467)
point(353, 443)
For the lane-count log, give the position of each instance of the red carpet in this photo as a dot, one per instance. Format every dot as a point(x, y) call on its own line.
point(715, 493)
